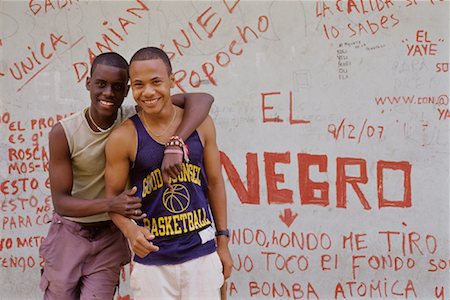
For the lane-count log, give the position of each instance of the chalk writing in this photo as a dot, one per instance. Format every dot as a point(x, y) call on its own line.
point(277, 119)
point(436, 101)
point(384, 288)
point(343, 64)
point(49, 5)
point(402, 253)
point(287, 217)
point(422, 45)
point(370, 26)
point(442, 67)
point(308, 187)
point(348, 130)
point(21, 263)
point(444, 114)
point(275, 290)
point(195, 78)
point(411, 99)
point(39, 58)
point(133, 15)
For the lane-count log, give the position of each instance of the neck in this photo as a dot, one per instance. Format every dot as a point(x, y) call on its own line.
point(97, 125)
point(163, 124)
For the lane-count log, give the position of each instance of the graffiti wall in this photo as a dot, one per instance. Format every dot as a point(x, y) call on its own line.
point(332, 120)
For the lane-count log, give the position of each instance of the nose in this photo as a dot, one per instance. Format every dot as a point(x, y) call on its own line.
point(149, 91)
point(108, 91)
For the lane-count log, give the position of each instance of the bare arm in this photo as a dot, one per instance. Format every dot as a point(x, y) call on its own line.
point(61, 184)
point(199, 103)
point(196, 108)
point(216, 191)
point(120, 148)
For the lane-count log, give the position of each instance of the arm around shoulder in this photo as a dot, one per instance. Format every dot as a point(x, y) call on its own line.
point(196, 109)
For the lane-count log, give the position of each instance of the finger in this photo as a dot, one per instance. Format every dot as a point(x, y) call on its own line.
point(134, 212)
point(145, 246)
point(147, 235)
point(152, 248)
point(141, 252)
point(137, 214)
point(165, 178)
point(174, 170)
point(168, 183)
point(140, 217)
point(178, 168)
point(132, 191)
point(132, 206)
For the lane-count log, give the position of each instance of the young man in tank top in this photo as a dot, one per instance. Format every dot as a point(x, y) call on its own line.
point(178, 253)
point(84, 250)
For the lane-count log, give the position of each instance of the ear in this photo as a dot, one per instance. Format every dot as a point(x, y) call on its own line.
point(88, 83)
point(172, 80)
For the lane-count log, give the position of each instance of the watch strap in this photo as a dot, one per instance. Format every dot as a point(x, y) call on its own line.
point(225, 232)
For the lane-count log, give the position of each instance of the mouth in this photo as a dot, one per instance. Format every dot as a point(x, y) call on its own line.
point(107, 103)
point(150, 102)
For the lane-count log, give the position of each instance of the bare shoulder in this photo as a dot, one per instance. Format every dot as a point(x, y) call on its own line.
point(123, 138)
point(124, 133)
point(57, 140)
point(57, 132)
point(207, 124)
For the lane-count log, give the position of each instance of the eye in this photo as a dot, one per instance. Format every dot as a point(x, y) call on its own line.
point(100, 84)
point(118, 87)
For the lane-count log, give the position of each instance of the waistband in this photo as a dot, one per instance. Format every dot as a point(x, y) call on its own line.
point(88, 230)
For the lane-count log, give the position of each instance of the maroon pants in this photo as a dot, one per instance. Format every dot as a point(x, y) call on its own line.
point(82, 261)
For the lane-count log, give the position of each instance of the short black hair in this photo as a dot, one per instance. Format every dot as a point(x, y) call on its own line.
point(110, 59)
point(150, 53)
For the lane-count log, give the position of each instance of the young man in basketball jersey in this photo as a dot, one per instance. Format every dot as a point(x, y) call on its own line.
point(178, 253)
point(84, 250)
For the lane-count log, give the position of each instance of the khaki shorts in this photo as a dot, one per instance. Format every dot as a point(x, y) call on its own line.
point(82, 261)
point(200, 278)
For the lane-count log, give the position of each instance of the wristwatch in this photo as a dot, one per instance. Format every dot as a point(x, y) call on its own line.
point(225, 232)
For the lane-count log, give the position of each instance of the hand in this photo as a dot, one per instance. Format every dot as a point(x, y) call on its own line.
point(171, 166)
point(140, 238)
point(127, 205)
point(225, 256)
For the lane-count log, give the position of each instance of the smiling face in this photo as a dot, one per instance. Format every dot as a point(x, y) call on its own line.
point(151, 84)
point(108, 88)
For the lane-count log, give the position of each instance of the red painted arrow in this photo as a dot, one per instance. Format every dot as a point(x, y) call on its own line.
point(288, 218)
point(126, 297)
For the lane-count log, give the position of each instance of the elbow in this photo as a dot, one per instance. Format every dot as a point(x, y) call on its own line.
point(59, 210)
point(210, 99)
point(59, 207)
